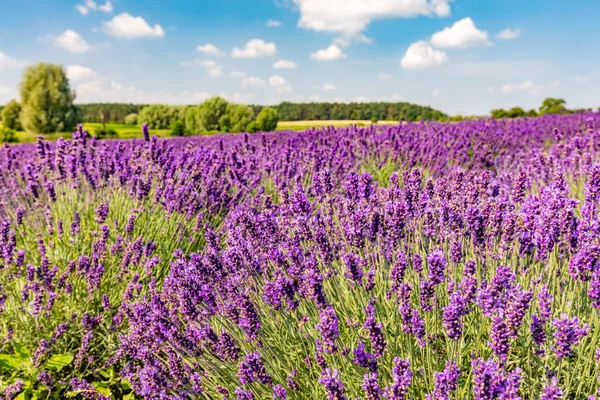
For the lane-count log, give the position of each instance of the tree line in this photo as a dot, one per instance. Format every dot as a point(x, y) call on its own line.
point(550, 105)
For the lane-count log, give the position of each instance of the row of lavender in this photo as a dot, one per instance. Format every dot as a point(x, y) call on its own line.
point(440, 260)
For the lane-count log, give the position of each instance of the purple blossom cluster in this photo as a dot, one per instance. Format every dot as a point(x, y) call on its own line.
point(414, 261)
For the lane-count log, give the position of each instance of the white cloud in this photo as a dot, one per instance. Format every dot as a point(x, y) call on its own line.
point(361, 99)
point(331, 53)
point(421, 55)
point(280, 84)
point(526, 86)
point(351, 17)
point(91, 4)
point(463, 34)
point(78, 73)
point(107, 7)
point(508, 34)
point(71, 41)
point(284, 64)
point(7, 62)
point(128, 27)
point(210, 49)
point(91, 87)
point(329, 86)
point(82, 9)
point(384, 77)
point(116, 85)
point(273, 23)
point(212, 68)
point(436, 93)
point(253, 81)
point(255, 48)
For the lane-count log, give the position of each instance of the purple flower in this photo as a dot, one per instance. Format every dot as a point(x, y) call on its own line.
point(453, 314)
point(243, 394)
point(491, 382)
point(371, 387)
point(146, 132)
point(328, 326)
point(334, 388)
point(365, 359)
point(518, 305)
point(401, 380)
point(552, 391)
point(446, 382)
point(354, 271)
point(10, 392)
point(101, 213)
point(436, 262)
point(375, 331)
point(252, 369)
point(567, 333)
point(279, 393)
point(500, 338)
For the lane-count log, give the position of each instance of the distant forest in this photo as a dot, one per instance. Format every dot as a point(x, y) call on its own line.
point(116, 112)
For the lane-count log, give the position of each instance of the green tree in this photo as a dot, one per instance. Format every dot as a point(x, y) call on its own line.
point(516, 112)
point(47, 100)
point(499, 113)
point(192, 120)
point(240, 116)
point(131, 119)
point(160, 116)
point(177, 128)
point(553, 106)
point(10, 115)
point(210, 113)
point(267, 119)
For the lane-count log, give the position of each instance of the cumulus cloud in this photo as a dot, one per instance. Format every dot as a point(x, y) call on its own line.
point(462, 34)
point(127, 26)
point(78, 73)
point(508, 34)
point(273, 23)
point(71, 41)
point(212, 68)
point(329, 86)
point(284, 64)
point(209, 48)
point(7, 62)
point(255, 48)
point(352, 17)
point(331, 53)
point(253, 81)
point(279, 84)
point(421, 55)
point(90, 5)
point(383, 76)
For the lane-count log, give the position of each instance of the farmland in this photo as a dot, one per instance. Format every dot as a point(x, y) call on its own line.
point(454, 261)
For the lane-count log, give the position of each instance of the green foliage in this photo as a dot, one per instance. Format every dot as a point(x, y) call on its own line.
point(131, 119)
point(252, 127)
point(161, 116)
point(102, 133)
point(47, 100)
point(7, 135)
point(191, 120)
point(210, 113)
point(374, 120)
point(116, 112)
point(177, 128)
point(10, 115)
point(553, 106)
point(354, 111)
point(267, 119)
point(240, 116)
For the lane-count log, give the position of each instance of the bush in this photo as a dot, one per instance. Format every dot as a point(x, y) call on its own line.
point(177, 128)
point(267, 119)
point(131, 119)
point(8, 135)
point(252, 127)
point(161, 116)
point(10, 115)
point(374, 120)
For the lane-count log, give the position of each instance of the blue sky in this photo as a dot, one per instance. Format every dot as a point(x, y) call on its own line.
point(460, 56)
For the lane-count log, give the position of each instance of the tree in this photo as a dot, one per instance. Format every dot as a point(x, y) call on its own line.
point(210, 113)
point(267, 119)
point(553, 106)
point(47, 100)
point(177, 128)
point(240, 116)
point(160, 116)
point(131, 119)
point(10, 115)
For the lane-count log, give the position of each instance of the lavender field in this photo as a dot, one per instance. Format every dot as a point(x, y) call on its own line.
point(421, 261)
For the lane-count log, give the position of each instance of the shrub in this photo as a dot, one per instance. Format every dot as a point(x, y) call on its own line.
point(177, 128)
point(131, 119)
point(8, 135)
point(267, 119)
point(10, 115)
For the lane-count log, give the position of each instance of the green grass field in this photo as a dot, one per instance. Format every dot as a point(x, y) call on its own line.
point(125, 131)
